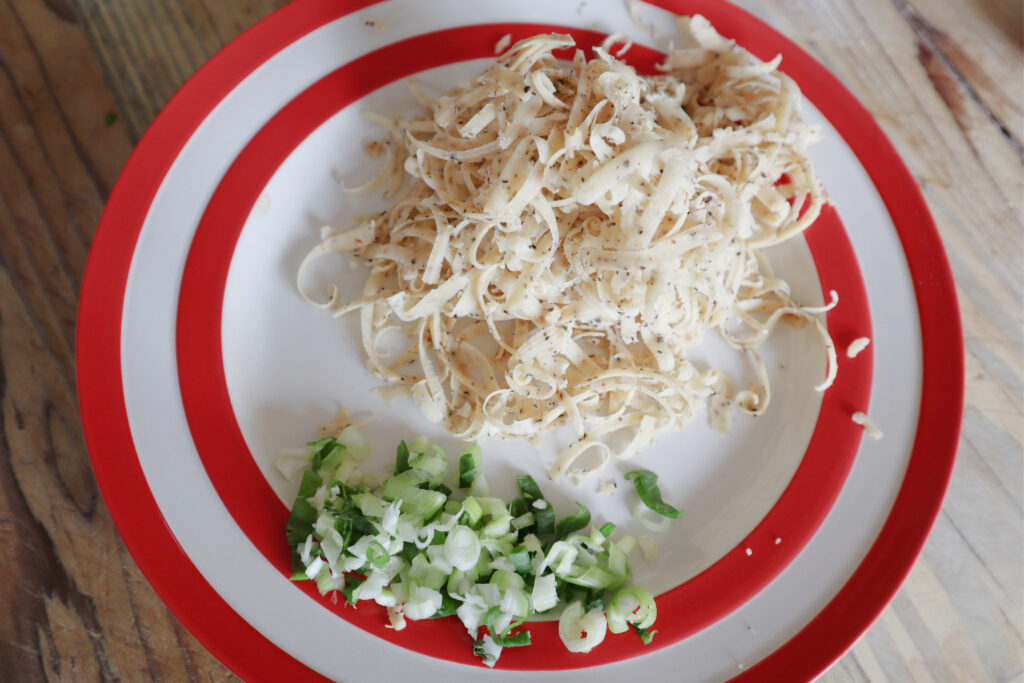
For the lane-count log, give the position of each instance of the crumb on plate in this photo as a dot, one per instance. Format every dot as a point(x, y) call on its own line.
point(856, 346)
point(870, 427)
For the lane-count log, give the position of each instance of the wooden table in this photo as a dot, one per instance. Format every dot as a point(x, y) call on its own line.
point(81, 79)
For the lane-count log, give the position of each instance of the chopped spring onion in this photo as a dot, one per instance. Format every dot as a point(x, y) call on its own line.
point(402, 458)
point(647, 488)
point(581, 631)
point(574, 523)
point(487, 650)
point(354, 443)
point(396, 618)
point(544, 514)
point(462, 548)
point(469, 463)
point(631, 606)
point(648, 548)
point(434, 463)
point(650, 519)
point(423, 603)
point(529, 488)
point(413, 548)
point(419, 445)
point(646, 636)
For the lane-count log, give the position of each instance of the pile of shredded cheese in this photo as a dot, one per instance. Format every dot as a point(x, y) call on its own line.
point(572, 230)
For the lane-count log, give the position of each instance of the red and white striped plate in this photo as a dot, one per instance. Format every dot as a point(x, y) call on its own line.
point(198, 361)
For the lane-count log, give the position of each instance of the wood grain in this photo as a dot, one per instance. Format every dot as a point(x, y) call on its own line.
point(80, 80)
point(944, 80)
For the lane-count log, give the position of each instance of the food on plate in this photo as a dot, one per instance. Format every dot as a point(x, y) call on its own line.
point(571, 230)
point(423, 551)
point(503, 43)
point(869, 426)
point(650, 496)
point(856, 346)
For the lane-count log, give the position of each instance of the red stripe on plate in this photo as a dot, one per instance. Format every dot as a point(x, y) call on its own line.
point(255, 507)
point(98, 357)
point(876, 580)
point(211, 620)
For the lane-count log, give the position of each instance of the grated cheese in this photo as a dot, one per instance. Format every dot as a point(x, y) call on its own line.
point(856, 346)
point(870, 427)
point(572, 230)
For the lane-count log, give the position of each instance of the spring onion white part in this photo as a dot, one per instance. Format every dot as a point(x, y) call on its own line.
point(570, 231)
point(651, 521)
point(414, 548)
point(544, 594)
point(648, 548)
point(462, 548)
point(581, 631)
point(631, 606)
point(487, 650)
point(627, 544)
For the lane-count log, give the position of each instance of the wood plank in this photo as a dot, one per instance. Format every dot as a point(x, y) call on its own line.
point(75, 605)
point(944, 82)
point(943, 77)
point(149, 49)
point(981, 44)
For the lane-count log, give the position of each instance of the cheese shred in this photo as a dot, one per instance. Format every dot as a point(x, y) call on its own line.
point(869, 426)
point(572, 229)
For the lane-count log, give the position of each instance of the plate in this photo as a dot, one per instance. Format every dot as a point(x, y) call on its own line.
point(198, 361)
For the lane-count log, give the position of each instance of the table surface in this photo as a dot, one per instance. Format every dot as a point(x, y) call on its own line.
point(81, 79)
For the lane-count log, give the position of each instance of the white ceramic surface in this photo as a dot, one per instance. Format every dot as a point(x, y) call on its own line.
point(302, 363)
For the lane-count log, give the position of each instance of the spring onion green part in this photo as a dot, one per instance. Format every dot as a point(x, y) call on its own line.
point(645, 636)
point(543, 513)
point(646, 483)
point(402, 458)
point(469, 462)
point(423, 552)
point(574, 523)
